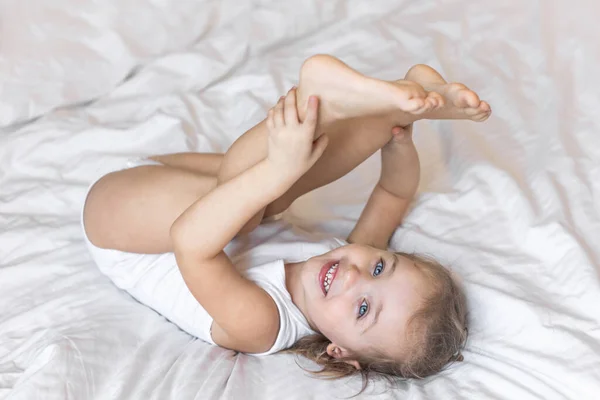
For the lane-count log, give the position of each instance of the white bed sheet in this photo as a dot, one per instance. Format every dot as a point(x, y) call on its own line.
point(513, 204)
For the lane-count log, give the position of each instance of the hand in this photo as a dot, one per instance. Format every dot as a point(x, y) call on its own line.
point(400, 135)
point(292, 150)
point(400, 170)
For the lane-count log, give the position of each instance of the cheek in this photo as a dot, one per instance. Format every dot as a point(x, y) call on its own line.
point(333, 315)
point(338, 327)
point(339, 308)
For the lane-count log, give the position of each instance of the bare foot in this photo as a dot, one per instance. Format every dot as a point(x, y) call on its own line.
point(459, 101)
point(345, 93)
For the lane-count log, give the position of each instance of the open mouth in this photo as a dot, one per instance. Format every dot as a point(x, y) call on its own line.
point(327, 275)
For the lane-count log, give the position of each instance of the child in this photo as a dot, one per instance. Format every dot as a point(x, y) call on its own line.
point(164, 230)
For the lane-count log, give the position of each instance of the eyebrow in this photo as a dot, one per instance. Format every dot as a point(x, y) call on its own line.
point(374, 319)
point(393, 267)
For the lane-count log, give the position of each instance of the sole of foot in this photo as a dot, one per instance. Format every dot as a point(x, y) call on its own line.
point(345, 93)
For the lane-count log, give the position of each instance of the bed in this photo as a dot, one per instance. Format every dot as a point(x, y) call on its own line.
point(512, 205)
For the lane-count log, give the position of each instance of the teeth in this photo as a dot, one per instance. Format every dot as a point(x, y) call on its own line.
point(329, 276)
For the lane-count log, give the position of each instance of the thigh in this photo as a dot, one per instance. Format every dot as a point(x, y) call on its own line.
point(350, 143)
point(132, 210)
point(200, 163)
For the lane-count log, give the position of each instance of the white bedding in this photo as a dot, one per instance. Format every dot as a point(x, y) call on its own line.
point(513, 204)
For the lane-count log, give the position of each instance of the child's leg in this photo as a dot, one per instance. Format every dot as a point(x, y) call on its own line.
point(200, 163)
point(133, 210)
point(358, 114)
point(460, 102)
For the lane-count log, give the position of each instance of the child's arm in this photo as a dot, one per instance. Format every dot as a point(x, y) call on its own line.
point(245, 317)
point(392, 195)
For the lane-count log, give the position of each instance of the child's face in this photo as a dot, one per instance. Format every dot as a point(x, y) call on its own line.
point(367, 300)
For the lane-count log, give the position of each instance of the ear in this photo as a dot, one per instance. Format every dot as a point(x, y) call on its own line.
point(336, 351)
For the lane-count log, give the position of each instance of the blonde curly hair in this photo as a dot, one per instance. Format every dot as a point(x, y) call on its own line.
point(437, 334)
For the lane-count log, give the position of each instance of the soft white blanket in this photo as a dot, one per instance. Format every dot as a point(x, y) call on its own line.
point(513, 205)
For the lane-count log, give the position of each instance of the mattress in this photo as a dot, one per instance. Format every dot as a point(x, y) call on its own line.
point(512, 205)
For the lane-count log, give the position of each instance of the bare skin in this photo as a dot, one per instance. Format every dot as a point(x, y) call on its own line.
point(358, 123)
point(133, 210)
point(460, 101)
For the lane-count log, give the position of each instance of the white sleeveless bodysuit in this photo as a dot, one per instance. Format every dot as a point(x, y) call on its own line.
point(155, 280)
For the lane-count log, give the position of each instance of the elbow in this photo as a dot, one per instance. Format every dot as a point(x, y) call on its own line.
point(185, 243)
point(404, 191)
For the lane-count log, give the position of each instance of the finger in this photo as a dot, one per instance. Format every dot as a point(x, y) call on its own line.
point(397, 130)
point(402, 134)
point(270, 124)
point(289, 110)
point(319, 147)
point(439, 99)
point(278, 113)
point(312, 111)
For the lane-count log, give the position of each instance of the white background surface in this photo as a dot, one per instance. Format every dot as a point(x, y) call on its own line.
point(513, 205)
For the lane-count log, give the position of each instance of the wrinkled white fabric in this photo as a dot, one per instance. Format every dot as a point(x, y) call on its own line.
point(512, 205)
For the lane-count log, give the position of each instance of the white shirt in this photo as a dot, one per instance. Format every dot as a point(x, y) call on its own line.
point(260, 256)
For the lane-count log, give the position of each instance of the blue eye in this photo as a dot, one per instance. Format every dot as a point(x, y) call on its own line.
point(362, 310)
point(378, 268)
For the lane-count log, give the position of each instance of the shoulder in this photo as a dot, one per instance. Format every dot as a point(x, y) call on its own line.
point(292, 323)
point(244, 312)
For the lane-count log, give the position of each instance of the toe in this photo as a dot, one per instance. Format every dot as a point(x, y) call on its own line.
point(462, 96)
point(472, 113)
point(426, 107)
point(438, 99)
point(468, 98)
point(485, 107)
point(481, 116)
point(415, 105)
point(430, 103)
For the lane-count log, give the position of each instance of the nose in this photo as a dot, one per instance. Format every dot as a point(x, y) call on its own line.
point(351, 277)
